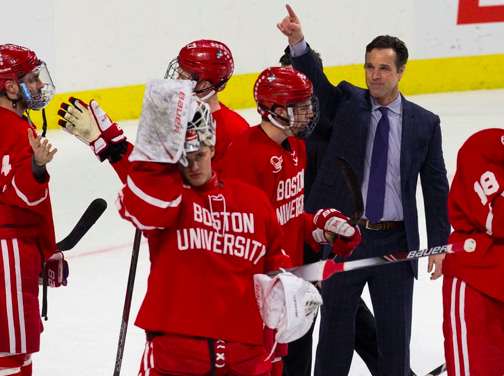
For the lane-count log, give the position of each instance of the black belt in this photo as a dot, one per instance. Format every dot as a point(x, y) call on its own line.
point(380, 226)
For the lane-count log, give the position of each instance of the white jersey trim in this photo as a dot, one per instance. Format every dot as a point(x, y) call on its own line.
point(463, 328)
point(8, 297)
point(136, 222)
point(152, 200)
point(23, 197)
point(10, 371)
point(489, 220)
point(19, 289)
point(460, 296)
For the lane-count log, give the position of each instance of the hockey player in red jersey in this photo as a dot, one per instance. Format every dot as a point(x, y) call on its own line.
point(272, 156)
point(210, 65)
point(473, 292)
point(26, 223)
point(207, 238)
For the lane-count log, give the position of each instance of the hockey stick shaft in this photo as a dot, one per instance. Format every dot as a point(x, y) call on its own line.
point(127, 302)
point(322, 270)
point(88, 219)
point(354, 188)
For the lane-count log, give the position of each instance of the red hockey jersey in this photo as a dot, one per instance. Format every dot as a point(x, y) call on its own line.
point(229, 125)
point(205, 245)
point(26, 229)
point(476, 210)
point(258, 160)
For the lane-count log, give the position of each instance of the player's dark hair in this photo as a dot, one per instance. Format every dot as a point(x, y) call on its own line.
point(284, 60)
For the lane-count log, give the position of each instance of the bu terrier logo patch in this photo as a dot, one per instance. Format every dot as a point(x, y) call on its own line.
point(277, 164)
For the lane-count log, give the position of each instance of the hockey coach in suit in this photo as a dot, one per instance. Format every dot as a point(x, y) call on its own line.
point(389, 141)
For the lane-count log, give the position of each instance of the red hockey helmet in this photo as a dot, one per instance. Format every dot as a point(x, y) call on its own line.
point(204, 60)
point(21, 65)
point(16, 61)
point(288, 88)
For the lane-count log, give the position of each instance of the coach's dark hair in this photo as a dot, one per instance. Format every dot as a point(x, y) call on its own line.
point(383, 42)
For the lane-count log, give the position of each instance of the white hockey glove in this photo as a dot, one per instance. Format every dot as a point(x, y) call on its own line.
point(91, 125)
point(167, 107)
point(287, 303)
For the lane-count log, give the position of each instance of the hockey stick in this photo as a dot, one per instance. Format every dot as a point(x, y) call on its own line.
point(88, 219)
point(354, 187)
point(319, 271)
point(127, 303)
point(437, 371)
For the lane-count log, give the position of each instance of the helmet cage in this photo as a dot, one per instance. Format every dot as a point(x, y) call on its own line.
point(200, 130)
point(37, 98)
point(293, 126)
point(177, 72)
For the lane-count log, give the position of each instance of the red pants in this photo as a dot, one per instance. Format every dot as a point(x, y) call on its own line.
point(171, 354)
point(15, 365)
point(473, 326)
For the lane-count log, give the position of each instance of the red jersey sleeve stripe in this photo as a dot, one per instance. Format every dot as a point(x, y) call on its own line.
point(152, 200)
point(126, 215)
point(23, 197)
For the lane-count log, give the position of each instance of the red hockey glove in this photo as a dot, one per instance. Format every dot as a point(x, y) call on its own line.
point(344, 247)
point(91, 125)
point(56, 270)
point(337, 231)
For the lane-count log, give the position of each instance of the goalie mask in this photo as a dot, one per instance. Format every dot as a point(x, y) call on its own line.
point(22, 66)
point(285, 87)
point(201, 129)
point(203, 60)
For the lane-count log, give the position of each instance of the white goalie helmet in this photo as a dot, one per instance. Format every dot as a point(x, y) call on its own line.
point(201, 129)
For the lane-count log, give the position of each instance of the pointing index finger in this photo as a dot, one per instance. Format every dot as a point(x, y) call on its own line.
point(291, 12)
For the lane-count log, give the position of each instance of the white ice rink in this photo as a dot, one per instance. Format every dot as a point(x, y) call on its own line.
point(80, 338)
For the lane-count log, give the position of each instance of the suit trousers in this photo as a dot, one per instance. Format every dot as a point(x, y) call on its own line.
point(391, 290)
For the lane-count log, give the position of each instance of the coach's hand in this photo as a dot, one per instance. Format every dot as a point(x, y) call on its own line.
point(291, 27)
point(436, 261)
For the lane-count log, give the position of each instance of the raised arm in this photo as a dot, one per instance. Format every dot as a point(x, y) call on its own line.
point(303, 60)
point(291, 27)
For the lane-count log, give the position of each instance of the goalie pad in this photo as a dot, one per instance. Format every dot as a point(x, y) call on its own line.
point(167, 107)
point(287, 303)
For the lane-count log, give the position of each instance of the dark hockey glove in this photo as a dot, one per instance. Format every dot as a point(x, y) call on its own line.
point(56, 271)
point(92, 125)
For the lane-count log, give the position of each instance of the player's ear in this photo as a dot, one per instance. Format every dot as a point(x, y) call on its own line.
point(281, 111)
point(212, 151)
point(202, 85)
point(10, 86)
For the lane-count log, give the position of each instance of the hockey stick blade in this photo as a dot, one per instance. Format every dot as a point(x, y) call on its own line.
point(437, 371)
point(319, 271)
point(88, 219)
point(354, 187)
